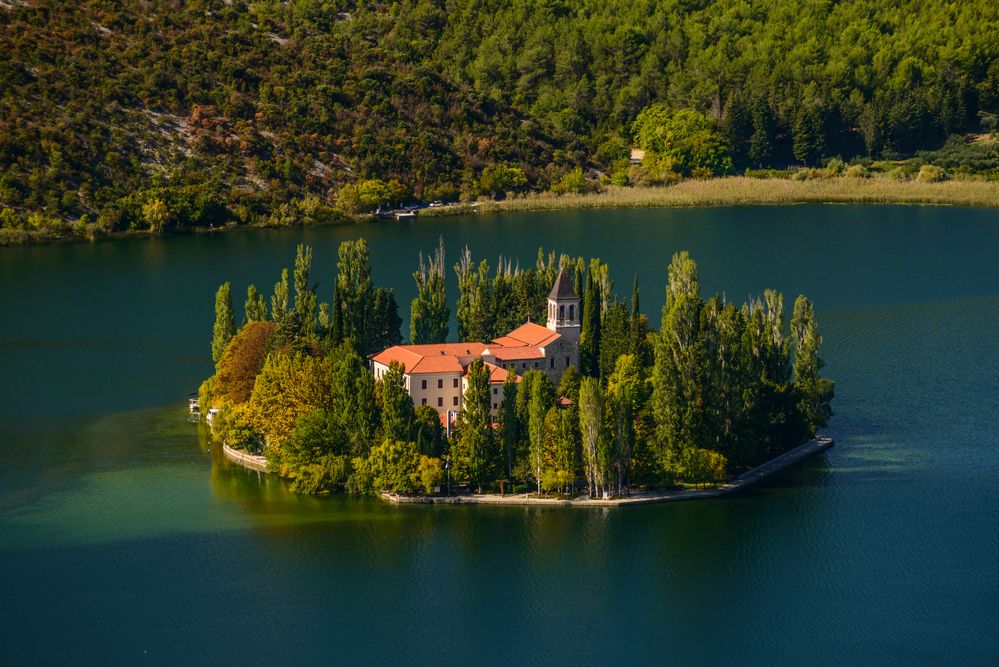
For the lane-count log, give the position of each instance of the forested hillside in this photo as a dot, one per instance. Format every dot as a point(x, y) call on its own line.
point(156, 113)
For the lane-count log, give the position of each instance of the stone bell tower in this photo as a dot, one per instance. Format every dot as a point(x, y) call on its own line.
point(563, 309)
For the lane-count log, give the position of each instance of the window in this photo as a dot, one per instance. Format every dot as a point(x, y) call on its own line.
point(561, 312)
point(523, 364)
point(535, 364)
point(440, 401)
point(423, 401)
point(494, 406)
point(424, 384)
point(567, 362)
point(572, 312)
point(553, 362)
point(495, 390)
point(456, 383)
point(440, 384)
point(454, 401)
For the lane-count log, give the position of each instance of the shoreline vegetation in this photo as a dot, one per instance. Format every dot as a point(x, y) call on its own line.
point(314, 112)
point(711, 395)
point(689, 193)
point(743, 482)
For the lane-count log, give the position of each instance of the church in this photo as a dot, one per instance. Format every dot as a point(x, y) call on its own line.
point(436, 374)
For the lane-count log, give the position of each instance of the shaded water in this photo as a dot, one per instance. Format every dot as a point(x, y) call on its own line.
point(122, 537)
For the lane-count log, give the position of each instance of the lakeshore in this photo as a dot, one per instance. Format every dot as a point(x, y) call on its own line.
point(741, 483)
point(690, 193)
point(745, 191)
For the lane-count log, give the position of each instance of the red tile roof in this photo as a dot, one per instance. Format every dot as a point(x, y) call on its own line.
point(532, 334)
point(517, 353)
point(437, 358)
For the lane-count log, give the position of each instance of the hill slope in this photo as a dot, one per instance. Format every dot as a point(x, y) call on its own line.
point(223, 109)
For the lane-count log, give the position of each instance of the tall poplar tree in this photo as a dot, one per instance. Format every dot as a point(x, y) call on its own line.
point(542, 397)
point(509, 424)
point(354, 294)
point(625, 394)
point(279, 300)
point(255, 307)
point(430, 316)
point(305, 293)
point(591, 414)
point(352, 404)
point(678, 383)
point(815, 393)
point(397, 405)
point(473, 450)
point(225, 323)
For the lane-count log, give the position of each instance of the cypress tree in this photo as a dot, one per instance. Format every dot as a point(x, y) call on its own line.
point(589, 337)
point(225, 325)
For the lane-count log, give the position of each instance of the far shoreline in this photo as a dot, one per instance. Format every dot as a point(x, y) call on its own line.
point(691, 193)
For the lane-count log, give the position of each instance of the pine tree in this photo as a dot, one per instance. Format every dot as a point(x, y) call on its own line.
point(225, 324)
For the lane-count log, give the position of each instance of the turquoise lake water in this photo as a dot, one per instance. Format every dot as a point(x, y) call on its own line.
point(123, 538)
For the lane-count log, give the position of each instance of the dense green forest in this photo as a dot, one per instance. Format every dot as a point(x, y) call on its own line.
point(160, 114)
point(716, 390)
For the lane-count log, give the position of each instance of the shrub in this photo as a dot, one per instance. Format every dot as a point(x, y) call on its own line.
point(573, 181)
point(858, 171)
point(835, 166)
point(429, 474)
point(930, 173)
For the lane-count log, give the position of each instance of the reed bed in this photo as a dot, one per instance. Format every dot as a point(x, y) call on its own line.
point(740, 190)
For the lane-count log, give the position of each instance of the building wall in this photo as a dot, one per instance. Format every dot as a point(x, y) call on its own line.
point(559, 355)
point(437, 390)
point(495, 395)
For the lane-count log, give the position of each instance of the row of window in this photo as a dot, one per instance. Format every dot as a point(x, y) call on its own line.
point(440, 383)
point(440, 401)
point(561, 312)
point(523, 366)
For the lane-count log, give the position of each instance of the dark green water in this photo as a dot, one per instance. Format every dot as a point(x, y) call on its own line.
point(123, 539)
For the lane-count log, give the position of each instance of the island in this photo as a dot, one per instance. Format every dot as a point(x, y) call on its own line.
point(593, 406)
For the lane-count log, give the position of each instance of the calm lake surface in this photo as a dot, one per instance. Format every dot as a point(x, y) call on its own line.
point(123, 537)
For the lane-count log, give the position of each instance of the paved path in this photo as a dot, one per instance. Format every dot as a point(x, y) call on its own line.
point(258, 463)
point(740, 483)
